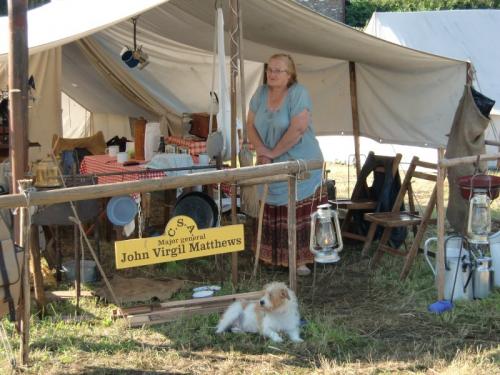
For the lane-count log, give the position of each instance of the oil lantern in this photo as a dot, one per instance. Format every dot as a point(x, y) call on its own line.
point(479, 222)
point(326, 239)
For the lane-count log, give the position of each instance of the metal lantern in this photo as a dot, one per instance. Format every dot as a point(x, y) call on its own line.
point(479, 222)
point(326, 239)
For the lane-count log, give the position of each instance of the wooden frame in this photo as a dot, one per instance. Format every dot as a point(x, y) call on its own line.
point(397, 218)
point(355, 203)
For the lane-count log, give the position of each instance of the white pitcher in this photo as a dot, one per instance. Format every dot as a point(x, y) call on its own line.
point(494, 241)
point(454, 258)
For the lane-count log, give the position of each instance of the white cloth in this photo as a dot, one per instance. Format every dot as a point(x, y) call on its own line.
point(164, 161)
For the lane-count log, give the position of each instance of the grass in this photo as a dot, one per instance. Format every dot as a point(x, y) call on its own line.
point(358, 322)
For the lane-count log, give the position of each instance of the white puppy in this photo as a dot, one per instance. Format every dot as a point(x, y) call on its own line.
point(275, 312)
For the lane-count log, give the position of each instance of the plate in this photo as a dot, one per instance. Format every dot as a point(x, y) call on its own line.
point(214, 288)
point(121, 210)
point(203, 293)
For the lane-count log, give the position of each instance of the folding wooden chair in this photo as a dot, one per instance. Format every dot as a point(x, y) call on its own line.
point(397, 219)
point(365, 198)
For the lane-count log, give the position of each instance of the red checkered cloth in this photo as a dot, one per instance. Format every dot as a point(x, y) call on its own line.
point(96, 164)
point(195, 147)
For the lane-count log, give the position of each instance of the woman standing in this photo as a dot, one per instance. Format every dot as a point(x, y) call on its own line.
point(280, 128)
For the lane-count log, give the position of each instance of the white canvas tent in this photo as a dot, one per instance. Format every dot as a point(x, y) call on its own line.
point(403, 96)
point(470, 35)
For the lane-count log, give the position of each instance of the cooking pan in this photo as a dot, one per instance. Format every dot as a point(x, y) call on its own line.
point(198, 206)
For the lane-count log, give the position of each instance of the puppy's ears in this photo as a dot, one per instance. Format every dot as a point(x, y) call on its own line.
point(284, 293)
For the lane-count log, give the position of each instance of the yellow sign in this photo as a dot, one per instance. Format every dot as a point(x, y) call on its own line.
point(182, 240)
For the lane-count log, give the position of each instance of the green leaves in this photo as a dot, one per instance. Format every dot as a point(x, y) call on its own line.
point(359, 12)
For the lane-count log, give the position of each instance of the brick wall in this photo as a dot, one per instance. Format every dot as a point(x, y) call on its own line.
point(334, 9)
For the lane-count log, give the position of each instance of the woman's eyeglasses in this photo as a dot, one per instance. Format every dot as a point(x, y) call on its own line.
point(276, 71)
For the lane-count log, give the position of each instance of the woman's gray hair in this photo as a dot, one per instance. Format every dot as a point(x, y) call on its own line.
point(290, 67)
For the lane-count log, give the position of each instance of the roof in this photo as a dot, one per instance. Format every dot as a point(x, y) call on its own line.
point(404, 96)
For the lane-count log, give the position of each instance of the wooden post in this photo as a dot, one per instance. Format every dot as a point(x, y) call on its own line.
point(233, 9)
point(355, 115)
point(25, 286)
point(36, 267)
point(441, 173)
point(292, 236)
point(18, 95)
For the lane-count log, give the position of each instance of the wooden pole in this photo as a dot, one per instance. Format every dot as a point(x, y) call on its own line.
point(233, 9)
point(36, 267)
point(39, 198)
point(441, 174)
point(292, 236)
point(25, 308)
point(18, 95)
point(468, 159)
point(355, 115)
point(469, 74)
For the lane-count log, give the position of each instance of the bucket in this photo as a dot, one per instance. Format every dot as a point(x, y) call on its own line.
point(88, 272)
point(494, 241)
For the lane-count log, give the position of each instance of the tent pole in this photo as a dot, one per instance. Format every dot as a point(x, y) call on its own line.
point(18, 95)
point(469, 74)
point(441, 174)
point(233, 9)
point(24, 311)
point(355, 116)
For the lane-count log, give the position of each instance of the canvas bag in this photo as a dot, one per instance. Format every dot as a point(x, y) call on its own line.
point(11, 260)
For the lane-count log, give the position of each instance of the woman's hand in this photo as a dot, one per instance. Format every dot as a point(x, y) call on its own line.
point(261, 159)
point(265, 152)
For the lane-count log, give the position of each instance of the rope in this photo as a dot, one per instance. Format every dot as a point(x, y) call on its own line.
point(233, 37)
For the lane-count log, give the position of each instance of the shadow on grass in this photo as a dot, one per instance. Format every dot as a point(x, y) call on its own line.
point(358, 315)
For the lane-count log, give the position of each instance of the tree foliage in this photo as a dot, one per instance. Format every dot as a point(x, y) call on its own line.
point(31, 4)
point(359, 12)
